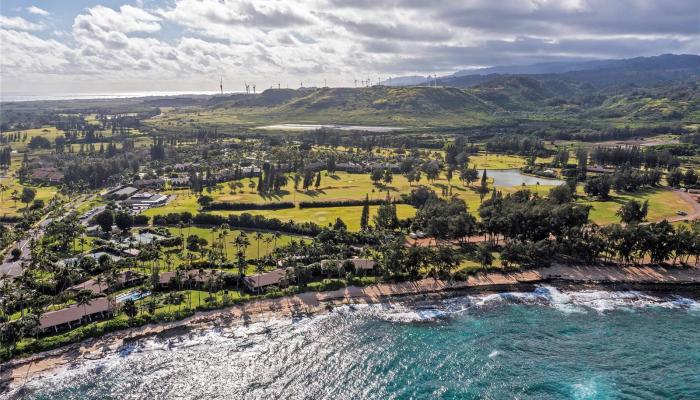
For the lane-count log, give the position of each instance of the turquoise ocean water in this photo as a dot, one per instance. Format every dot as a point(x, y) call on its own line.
point(547, 344)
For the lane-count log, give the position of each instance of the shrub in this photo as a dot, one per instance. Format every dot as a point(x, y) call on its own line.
point(248, 206)
point(343, 203)
point(327, 284)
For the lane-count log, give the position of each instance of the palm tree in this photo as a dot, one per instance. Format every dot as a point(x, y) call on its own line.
point(258, 237)
point(224, 233)
point(82, 298)
point(214, 231)
point(276, 236)
point(267, 241)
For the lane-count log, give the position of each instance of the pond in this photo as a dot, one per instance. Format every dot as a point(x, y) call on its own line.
point(312, 127)
point(513, 177)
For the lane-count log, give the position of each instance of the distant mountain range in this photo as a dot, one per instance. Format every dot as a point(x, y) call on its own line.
point(642, 71)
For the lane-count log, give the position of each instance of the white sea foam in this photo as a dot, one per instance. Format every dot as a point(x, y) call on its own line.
point(250, 339)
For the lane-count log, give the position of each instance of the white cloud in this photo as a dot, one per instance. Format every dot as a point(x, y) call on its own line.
point(19, 23)
point(24, 53)
point(37, 11)
point(189, 41)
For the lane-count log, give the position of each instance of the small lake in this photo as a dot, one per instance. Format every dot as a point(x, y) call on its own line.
point(313, 127)
point(513, 177)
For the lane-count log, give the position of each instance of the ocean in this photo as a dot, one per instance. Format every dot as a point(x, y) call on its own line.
point(546, 344)
point(20, 97)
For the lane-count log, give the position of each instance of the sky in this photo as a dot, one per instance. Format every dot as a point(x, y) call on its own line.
point(81, 46)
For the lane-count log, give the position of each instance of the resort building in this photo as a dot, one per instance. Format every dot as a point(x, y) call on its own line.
point(121, 193)
point(124, 279)
point(188, 277)
point(75, 314)
point(146, 199)
point(46, 175)
point(258, 283)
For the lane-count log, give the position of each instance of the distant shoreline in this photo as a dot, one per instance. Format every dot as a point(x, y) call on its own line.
point(26, 97)
point(657, 279)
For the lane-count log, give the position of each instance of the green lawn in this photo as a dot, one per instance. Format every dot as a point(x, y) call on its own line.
point(500, 161)
point(9, 179)
point(194, 298)
point(325, 216)
point(662, 204)
point(49, 132)
point(341, 186)
point(251, 251)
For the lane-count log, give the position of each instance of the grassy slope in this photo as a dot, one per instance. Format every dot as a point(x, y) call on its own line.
point(407, 106)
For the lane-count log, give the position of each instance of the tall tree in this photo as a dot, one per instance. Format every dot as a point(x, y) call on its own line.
point(364, 218)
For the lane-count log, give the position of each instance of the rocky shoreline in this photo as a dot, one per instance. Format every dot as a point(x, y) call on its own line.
point(658, 279)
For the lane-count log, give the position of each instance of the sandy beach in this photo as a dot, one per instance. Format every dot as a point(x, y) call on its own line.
point(16, 372)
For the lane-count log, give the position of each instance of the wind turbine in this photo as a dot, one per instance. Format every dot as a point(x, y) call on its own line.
point(356, 83)
point(221, 84)
point(247, 87)
point(253, 88)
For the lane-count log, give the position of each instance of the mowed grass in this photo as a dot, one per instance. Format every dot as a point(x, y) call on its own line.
point(662, 204)
point(326, 216)
point(252, 250)
point(8, 178)
point(49, 132)
point(501, 161)
point(339, 187)
point(194, 298)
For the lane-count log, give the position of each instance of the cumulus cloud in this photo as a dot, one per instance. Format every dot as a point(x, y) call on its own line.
point(37, 11)
point(278, 41)
point(19, 23)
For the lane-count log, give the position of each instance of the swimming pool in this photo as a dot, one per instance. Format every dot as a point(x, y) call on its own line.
point(132, 295)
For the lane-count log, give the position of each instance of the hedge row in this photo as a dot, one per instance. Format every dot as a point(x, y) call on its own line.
point(342, 203)
point(228, 206)
point(245, 220)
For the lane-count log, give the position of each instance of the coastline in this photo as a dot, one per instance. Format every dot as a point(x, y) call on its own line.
point(16, 372)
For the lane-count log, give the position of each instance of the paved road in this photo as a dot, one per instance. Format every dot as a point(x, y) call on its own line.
point(14, 268)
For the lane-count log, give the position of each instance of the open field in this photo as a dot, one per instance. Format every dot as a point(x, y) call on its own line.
point(177, 119)
point(337, 187)
point(49, 132)
point(7, 178)
point(662, 204)
point(325, 216)
point(251, 252)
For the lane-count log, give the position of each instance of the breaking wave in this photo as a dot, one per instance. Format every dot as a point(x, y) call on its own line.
point(366, 351)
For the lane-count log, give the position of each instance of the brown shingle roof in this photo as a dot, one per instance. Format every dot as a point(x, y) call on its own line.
point(93, 286)
point(74, 313)
point(266, 279)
